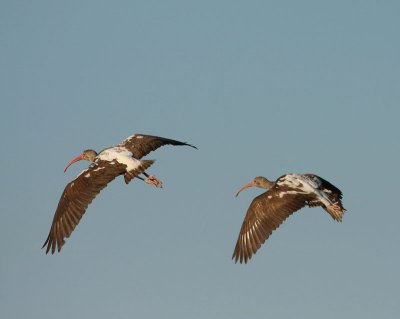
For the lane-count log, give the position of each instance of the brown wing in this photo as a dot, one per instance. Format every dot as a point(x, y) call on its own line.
point(266, 212)
point(76, 197)
point(140, 145)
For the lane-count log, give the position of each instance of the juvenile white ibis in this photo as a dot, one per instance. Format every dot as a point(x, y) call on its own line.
point(286, 195)
point(123, 159)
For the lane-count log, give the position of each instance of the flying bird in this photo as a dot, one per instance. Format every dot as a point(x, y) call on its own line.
point(286, 195)
point(122, 159)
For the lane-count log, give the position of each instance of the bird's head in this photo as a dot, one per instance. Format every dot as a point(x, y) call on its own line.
point(87, 155)
point(258, 181)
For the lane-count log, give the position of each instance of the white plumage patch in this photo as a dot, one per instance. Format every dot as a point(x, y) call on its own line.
point(133, 136)
point(281, 194)
point(301, 181)
point(83, 172)
point(304, 185)
point(120, 155)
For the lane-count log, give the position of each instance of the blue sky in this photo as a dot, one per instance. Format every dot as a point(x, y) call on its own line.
point(261, 88)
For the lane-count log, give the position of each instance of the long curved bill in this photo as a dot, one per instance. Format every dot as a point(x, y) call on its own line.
point(251, 184)
point(76, 159)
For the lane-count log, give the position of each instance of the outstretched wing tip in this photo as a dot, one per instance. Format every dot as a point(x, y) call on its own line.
point(141, 144)
point(191, 145)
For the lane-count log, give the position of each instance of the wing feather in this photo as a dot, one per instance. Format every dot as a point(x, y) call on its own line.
point(75, 199)
point(140, 145)
point(265, 214)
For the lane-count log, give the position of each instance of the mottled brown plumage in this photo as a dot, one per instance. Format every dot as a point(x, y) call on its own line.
point(75, 199)
point(124, 159)
point(288, 194)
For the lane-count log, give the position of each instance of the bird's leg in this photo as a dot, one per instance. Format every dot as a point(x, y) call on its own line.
point(152, 180)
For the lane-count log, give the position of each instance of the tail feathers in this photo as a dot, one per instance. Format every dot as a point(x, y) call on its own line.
point(144, 164)
point(336, 210)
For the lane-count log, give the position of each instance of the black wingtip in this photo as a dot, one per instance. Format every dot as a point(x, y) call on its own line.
point(187, 144)
point(47, 243)
point(50, 245)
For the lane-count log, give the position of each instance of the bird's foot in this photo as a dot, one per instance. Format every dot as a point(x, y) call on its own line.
point(336, 211)
point(152, 180)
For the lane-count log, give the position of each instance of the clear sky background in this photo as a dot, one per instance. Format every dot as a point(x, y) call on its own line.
point(261, 88)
